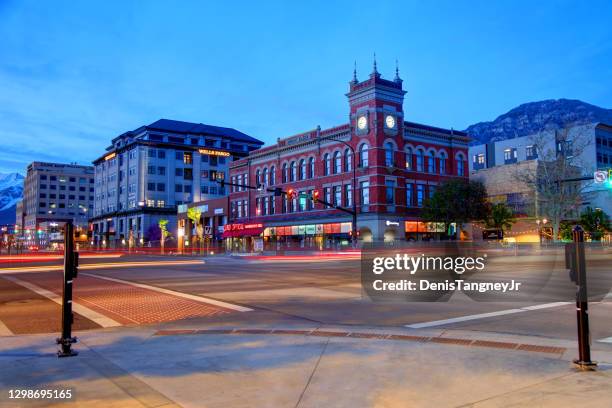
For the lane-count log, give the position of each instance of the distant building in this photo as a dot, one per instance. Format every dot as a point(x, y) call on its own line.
point(396, 164)
point(504, 155)
point(54, 193)
point(146, 173)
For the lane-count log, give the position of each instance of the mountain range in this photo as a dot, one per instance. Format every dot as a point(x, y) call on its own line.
point(526, 119)
point(533, 117)
point(11, 191)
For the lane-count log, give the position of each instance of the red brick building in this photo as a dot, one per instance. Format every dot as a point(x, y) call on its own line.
point(399, 163)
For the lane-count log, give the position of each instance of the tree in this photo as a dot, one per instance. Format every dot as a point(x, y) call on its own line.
point(595, 222)
point(500, 217)
point(195, 215)
point(559, 159)
point(163, 227)
point(457, 201)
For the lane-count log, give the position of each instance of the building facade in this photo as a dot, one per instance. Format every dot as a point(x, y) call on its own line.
point(147, 173)
point(54, 193)
point(387, 164)
point(592, 143)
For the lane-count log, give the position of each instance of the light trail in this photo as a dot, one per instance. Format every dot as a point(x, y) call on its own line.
point(11, 270)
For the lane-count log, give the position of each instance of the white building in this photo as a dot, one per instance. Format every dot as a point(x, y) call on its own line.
point(596, 155)
point(146, 173)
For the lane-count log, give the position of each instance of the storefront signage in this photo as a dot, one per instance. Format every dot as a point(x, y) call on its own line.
point(388, 223)
point(218, 211)
point(110, 156)
point(214, 152)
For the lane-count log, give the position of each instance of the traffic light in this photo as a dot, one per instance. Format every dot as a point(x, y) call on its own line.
point(315, 196)
point(221, 179)
point(291, 193)
point(278, 192)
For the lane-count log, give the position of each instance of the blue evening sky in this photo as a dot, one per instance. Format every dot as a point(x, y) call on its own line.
point(75, 74)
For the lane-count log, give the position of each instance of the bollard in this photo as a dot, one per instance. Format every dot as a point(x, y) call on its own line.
point(70, 268)
point(582, 308)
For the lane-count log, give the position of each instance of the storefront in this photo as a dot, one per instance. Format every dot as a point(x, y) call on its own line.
point(427, 231)
point(256, 237)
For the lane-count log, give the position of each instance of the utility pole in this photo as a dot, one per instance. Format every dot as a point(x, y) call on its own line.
point(71, 263)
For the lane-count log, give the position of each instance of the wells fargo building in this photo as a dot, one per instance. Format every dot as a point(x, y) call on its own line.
point(398, 164)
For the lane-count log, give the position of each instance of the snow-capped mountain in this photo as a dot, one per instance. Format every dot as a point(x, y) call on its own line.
point(11, 191)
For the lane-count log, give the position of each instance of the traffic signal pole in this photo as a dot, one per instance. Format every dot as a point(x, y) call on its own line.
point(70, 272)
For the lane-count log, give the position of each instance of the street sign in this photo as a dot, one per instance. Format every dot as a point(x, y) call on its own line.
point(600, 176)
point(207, 229)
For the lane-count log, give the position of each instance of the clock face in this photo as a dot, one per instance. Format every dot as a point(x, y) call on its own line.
point(362, 122)
point(390, 121)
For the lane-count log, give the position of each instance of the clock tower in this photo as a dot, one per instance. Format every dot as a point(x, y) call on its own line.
point(376, 111)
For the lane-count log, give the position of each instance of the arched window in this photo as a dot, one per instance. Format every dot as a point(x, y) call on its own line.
point(442, 163)
point(409, 158)
point(460, 165)
point(265, 176)
point(326, 164)
point(272, 175)
point(348, 160)
point(285, 174)
point(431, 162)
point(420, 158)
point(389, 154)
point(302, 169)
point(293, 175)
point(363, 155)
point(337, 162)
point(258, 177)
point(311, 166)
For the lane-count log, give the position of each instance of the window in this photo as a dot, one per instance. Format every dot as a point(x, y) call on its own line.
point(188, 174)
point(432, 191)
point(348, 195)
point(293, 176)
point(327, 194)
point(364, 187)
point(363, 155)
point(272, 175)
point(420, 194)
point(284, 175)
point(311, 165)
point(408, 158)
point(420, 158)
point(151, 170)
point(214, 160)
point(431, 162)
point(389, 154)
point(265, 181)
point(161, 154)
point(390, 192)
point(178, 188)
point(152, 153)
point(178, 172)
point(151, 186)
point(337, 162)
point(187, 158)
point(302, 169)
point(257, 177)
point(442, 163)
point(178, 155)
point(460, 166)
point(161, 170)
point(409, 195)
point(510, 155)
point(348, 165)
point(326, 164)
point(531, 152)
point(161, 187)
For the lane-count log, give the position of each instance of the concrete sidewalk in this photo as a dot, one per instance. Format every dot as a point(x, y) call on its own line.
point(305, 366)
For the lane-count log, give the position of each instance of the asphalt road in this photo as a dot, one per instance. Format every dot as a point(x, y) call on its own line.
point(151, 290)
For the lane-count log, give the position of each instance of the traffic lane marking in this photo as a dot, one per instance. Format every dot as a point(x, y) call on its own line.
point(460, 319)
point(200, 299)
point(76, 307)
point(14, 270)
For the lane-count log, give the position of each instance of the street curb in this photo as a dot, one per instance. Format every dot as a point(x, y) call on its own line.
point(533, 348)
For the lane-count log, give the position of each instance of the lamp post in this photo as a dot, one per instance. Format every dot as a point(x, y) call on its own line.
point(353, 192)
point(539, 231)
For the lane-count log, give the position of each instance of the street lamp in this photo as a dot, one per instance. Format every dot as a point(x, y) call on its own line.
point(354, 191)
